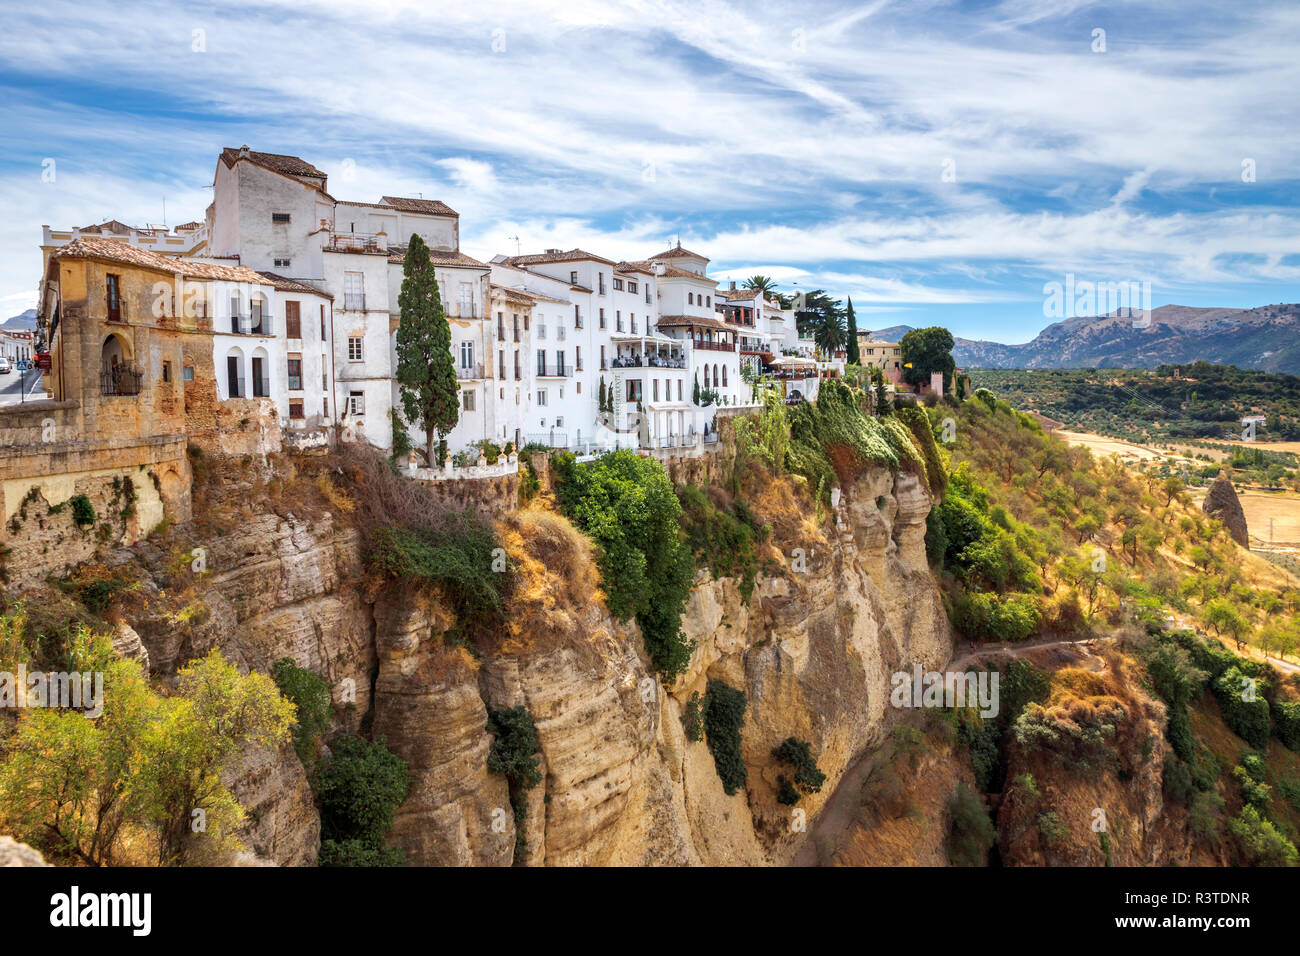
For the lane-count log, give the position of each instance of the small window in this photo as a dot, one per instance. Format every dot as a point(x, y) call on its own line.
point(354, 348)
point(295, 372)
point(187, 373)
point(618, 284)
point(631, 286)
point(467, 400)
point(167, 371)
point(559, 422)
point(325, 407)
point(279, 217)
point(322, 323)
point(292, 320)
point(573, 278)
point(295, 408)
point(282, 263)
point(357, 403)
point(541, 396)
point(690, 298)
point(112, 286)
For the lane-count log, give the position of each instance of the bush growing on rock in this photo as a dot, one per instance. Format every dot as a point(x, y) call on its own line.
point(724, 714)
point(359, 788)
point(626, 504)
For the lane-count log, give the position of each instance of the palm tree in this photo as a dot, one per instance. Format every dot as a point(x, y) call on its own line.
point(764, 284)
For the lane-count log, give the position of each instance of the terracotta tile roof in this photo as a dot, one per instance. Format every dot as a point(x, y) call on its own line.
point(115, 250)
point(432, 207)
point(738, 295)
point(276, 162)
point(111, 226)
point(642, 267)
point(285, 284)
point(444, 257)
point(525, 295)
point(677, 252)
point(692, 321)
point(672, 272)
point(187, 226)
point(555, 255)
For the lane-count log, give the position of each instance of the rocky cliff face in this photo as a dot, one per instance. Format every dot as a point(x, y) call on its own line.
point(812, 649)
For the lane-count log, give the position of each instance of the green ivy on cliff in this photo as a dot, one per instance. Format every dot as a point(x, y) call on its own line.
point(359, 789)
point(724, 714)
point(513, 755)
point(626, 505)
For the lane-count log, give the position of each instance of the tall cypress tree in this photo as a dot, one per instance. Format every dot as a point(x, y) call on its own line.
point(855, 357)
point(426, 375)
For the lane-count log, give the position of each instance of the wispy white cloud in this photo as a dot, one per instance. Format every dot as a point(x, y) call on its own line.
point(808, 138)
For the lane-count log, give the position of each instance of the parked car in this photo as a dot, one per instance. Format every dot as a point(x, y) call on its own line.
point(5, 367)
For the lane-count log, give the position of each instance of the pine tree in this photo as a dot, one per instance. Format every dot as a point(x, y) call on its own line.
point(426, 375)
point(854, 357)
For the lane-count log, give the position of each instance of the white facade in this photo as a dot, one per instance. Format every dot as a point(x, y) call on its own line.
point(17, 345)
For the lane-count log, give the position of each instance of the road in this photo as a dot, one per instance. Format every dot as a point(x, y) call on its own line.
point(12, 386)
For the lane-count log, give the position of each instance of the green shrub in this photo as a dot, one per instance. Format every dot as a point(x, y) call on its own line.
point(359, 788)
point(725, 542)
point(970, 831)
point(513, 755)
point(693, 718)
point(1258, 842)
point(724, 714)
point(626, 504)
point(310, 694)
point(807, 778)
point(457, 559)
point(1248, 719)
point(83, 512)
point(1286, 726)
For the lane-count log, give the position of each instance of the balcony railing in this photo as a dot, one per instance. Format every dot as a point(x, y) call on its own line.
point(469, 371)
point(554, 370)
point(262, 387)
point(637, 361)
point(541, 331)
point(354, 302)
point(715, 346)
point(121, 379)
point(356, 242)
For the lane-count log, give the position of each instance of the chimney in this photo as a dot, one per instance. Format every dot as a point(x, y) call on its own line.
point(733, 285)
point(243, 151)
point(551, 251)
point(381, 240)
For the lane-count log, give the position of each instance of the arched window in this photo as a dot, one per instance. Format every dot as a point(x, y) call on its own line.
point(235, 374)
point(117, 373)
point(724, 376)
point(715, 376)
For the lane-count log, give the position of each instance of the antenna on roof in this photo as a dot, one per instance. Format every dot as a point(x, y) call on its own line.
point(516, 239)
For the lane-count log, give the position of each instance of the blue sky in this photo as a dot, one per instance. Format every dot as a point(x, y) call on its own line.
point(938, 162)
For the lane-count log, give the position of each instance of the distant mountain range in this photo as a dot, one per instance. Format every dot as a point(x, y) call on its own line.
point(1266, 338)
point(27, 320)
